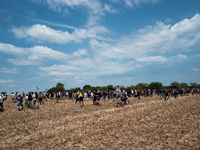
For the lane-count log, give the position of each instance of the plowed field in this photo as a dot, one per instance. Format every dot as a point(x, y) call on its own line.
point(149, 123)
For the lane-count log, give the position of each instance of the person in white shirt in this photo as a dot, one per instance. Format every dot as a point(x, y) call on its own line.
point(66, 95)
point(1, 102)
point(85, 96)
point(13, 96)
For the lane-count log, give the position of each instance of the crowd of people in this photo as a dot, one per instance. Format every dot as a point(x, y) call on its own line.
point(30, 99)
point(120, 97)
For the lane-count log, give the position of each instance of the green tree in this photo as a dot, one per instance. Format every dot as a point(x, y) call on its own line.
point(175, 85)
point(155, 85)
point(96, 88)
point(167, 87)
point(141, 86)
point(122, 87)
point(193, 85)
point(52, 90)
point(129, 87)
point(103, 88)
point(72, 89)
point(87, 87)
point(110, 87)
point(183, 85)
point(59, 87)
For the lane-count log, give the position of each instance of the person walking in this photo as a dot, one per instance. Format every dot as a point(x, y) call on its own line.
point(40, 98)
point(1, 102)
point(19, 102)
point(77, 98)
point(29, 100)
point(81, 99)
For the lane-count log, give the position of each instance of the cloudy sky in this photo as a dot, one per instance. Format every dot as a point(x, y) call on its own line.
point(98, 42)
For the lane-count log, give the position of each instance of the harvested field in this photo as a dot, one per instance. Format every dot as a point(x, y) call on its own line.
point(148, 123)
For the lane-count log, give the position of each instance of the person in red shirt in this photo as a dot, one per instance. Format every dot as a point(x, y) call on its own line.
point(23, 94)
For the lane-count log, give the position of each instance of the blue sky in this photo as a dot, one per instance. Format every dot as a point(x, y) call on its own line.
point(98, 42)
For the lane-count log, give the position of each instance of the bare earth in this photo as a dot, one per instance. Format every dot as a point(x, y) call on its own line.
point(149, 123)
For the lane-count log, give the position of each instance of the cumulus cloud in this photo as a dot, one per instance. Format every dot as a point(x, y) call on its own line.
point(37, 54)
point(43, 33)
point(132, 51)
point(87, 67)
point(152, 59)
point(7, 70)
point(194, 69)
point(152, 39)
point(94, 9)
point(106, 58)
point(10, 49)
point(181, 57)
point(13, 85)
point(133, 3)
point(168, 20)
point(80, 53)
point(8, 81)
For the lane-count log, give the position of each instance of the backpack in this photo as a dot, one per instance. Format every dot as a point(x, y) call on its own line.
point(80, 94)
point(29, 96)
point(21, 99)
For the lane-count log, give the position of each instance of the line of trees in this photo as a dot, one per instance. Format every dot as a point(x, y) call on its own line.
point(152, 86)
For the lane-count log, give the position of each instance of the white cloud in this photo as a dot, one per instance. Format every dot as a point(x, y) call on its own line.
point(95, 9)
point(19, 32)
point(13, 85)
point(8, 81)
point(37, 54)
point(40, 53)
point(194, 69)
point(132, 3)
point(32, 56)
point(55, 24)
point(58, 79)
point(152, 39)
point(6, 70)
point(80, 53)
point(81, 68)
point(22, 62)
point(152, 59)
point(168, 20)
point(34, 78)
point(43, 33)
point(131, 51)
point(10, 49)
point(80, 81)
point(8, 18)
point(30, 12)
point(181, 57)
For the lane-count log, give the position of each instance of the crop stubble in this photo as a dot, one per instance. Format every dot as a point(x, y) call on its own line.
point(143, 124)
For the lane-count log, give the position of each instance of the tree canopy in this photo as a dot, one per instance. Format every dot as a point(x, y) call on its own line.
point(155, 85)
point(140, 86)
point(175, 85)
point(57, 88)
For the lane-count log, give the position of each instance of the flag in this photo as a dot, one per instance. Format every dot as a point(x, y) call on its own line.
point(37, 88)
point(63, 85)
point(44, 92)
